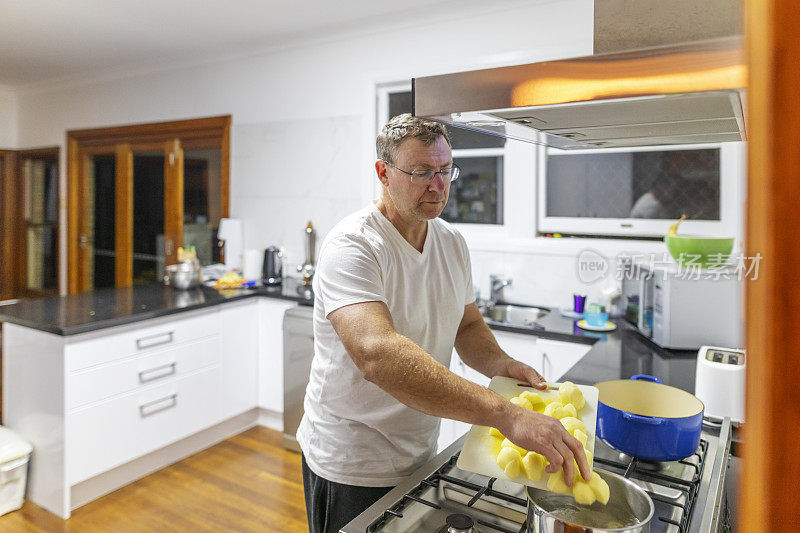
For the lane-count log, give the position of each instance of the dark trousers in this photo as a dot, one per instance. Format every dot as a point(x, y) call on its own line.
point(330, 506)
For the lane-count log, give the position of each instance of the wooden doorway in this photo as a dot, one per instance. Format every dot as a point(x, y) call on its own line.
point(132, 202)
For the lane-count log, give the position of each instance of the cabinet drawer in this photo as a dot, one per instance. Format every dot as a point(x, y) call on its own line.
point(104, 436)
point(146, 337)
point(101, 382)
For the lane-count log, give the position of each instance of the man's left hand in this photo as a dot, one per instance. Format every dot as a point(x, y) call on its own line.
point(512, 368)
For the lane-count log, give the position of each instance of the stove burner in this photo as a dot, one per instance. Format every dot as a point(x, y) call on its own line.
point(458, 523)
point(643, 464)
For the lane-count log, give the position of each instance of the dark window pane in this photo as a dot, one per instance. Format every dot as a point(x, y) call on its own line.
point(41, 259)
point(202, 206)
point(104, 221)
point(476, 196)
point(647, 184)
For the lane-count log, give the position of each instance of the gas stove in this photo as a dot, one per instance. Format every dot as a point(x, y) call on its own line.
point(440, 497)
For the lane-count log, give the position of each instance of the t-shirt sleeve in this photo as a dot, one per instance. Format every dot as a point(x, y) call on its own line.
point(469, 296)
point(348, 273)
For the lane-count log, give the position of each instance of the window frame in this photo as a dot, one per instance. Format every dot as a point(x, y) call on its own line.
point(732, 172)
point(383, 91)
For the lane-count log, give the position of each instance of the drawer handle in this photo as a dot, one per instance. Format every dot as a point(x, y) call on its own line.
point(169, 367)
point(151, 408)
point(154, 340)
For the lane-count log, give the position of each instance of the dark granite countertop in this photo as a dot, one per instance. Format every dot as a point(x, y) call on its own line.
point(105, 308)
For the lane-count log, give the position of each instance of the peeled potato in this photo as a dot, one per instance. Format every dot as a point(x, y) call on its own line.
point(600, 488)
point(555, 483)
point(568, 392)
point(508, 444)
point(492, 444)
point(510, 461)
point(494, 432)
point(533, 464)
point(571, 423)
point(569, 410)
point(522, 402)
point(580, 435)
point(532, 397)
point(583, 493)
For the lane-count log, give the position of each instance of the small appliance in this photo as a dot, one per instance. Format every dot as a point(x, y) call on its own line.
point(231, 234)
point(682, 308)
point(719, 382)
point(272, 272)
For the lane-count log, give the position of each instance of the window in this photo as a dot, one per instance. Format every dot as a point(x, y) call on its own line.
point(476, 197)
point(640, 191)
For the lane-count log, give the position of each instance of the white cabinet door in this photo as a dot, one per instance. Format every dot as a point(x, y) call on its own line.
point(558, 357)
point(521, 347)
point(239, 324)
point(270, 352)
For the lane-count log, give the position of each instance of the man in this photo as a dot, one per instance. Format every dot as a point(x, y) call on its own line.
point(394, 295)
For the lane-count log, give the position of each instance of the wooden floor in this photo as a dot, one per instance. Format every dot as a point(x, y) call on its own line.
point(246, 483)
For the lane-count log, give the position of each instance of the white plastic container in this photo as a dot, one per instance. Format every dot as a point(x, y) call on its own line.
point(14, 456)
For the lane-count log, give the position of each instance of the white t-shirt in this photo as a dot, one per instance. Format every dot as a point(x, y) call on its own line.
point(352, 431)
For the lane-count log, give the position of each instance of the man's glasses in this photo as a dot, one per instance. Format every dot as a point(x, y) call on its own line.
point(426, 176)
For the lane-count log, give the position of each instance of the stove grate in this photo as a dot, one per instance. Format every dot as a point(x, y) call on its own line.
point(688, 488)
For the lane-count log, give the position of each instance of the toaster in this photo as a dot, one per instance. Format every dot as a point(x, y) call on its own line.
point(719, 382)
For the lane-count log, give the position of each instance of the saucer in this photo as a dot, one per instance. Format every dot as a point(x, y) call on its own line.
point(609, 326)
point(569, 313)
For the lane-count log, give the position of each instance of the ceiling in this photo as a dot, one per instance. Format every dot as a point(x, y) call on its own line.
point(52, 40)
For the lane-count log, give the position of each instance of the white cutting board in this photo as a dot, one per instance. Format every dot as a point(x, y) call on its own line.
point(477, 457)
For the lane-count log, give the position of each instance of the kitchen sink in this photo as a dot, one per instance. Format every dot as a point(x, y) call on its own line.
point(513, 315)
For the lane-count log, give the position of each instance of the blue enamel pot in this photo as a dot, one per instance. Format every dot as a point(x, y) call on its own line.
point(646, 419)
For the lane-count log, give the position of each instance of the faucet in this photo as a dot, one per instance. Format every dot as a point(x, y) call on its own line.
point(496, 284)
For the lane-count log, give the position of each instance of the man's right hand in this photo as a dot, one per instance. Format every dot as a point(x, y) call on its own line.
point(545, 435)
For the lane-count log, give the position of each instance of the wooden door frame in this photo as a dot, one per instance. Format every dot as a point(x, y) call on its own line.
point(768, 494)
point(8, 219)
point(202, 132)
point(21, 237)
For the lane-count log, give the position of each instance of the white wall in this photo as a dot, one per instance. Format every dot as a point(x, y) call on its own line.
point(8, 118)
point(304, 118)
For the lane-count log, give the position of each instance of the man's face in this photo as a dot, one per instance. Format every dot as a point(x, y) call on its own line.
point(419, 201)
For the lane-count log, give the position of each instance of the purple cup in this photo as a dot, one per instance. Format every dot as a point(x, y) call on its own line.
point(578, 302)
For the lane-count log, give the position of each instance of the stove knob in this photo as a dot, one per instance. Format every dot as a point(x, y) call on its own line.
point(459, 523)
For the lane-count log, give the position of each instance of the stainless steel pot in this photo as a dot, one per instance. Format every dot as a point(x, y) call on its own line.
point(186, 275)
point(629, 509)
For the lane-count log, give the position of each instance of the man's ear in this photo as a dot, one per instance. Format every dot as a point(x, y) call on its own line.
point(380, 169)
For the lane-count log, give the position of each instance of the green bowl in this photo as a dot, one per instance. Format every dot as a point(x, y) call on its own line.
point(699, 250)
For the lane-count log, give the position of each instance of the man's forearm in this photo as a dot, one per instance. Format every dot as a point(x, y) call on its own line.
point(416, 379)
point(478, 348)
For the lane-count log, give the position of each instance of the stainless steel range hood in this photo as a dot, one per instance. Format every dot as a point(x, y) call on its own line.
point(678, 94)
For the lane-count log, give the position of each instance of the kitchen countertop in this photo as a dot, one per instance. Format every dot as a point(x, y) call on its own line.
point(106, 308)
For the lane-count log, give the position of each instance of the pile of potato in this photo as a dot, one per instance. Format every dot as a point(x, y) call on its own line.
point(515, 461)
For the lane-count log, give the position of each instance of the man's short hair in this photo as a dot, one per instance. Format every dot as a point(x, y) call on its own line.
point(403, 127)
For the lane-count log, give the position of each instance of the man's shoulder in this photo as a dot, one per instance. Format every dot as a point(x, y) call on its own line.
point(359, 226)
point(447, 230)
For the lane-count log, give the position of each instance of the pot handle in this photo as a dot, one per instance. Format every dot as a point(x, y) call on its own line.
point(652, 420)
point(645, 377)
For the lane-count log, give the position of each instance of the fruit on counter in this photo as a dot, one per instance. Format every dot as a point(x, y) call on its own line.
point(534, 398)
point(231, 280)
point(533, 464)
point(572, 423)
point(673, 229)
point(522, 402)
point(558, 410)
point(569, 393)
point(508, 444)
point(510, 460)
